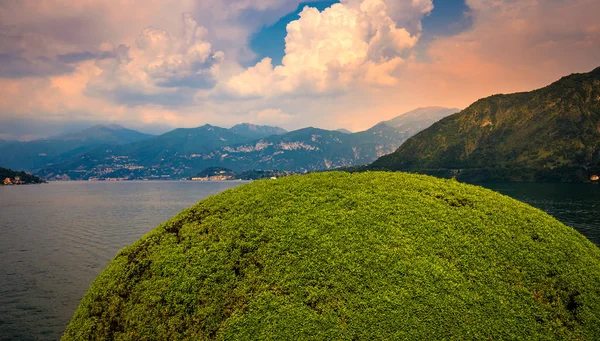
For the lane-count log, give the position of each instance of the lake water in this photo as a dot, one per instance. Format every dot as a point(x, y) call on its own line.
point(56, 238)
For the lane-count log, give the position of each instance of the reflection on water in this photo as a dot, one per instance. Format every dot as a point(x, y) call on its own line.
point(56, 238)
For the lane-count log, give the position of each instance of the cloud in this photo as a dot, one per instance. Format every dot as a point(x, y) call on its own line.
point(351, 65)
point(512, 46)
point(160, 67)
point(14, 66)
point(341, 47)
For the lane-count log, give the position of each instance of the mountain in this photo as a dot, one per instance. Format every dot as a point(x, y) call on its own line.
point(106, 134)
point(308, 149)
point(255, 131)
point(181, 141)
point(157, 157)
point(345, 131)
point(550, 134)
point(184, 152)
point(191, 141)
point(33, 155)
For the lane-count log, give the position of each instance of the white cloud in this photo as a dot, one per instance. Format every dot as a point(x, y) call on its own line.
point(350, 42)
point(160, 63)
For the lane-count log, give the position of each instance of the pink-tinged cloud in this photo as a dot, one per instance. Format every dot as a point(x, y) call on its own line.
point(351, 65)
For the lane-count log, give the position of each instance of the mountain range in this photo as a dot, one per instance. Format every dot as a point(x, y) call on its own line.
point(549, 134)
point(184, 152)
point(33, 155)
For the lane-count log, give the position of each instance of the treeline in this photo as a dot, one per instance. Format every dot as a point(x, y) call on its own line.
point(246, 175)
point(25, 178)
point(263, 174)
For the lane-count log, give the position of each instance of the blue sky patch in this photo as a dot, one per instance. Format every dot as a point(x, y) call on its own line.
point(449, 17)
point(270, 41)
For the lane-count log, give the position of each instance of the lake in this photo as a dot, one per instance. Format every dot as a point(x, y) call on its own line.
point(57, 237)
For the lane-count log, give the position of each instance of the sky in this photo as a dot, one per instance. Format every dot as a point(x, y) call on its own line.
point(153, 65)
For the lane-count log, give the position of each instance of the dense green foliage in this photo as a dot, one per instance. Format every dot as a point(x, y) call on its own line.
point(339, 256)
point(551, 134)
point(25, 177)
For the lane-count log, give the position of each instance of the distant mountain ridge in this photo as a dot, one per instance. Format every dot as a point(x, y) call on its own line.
point(111, 133)
point(549, 134)
point(256, 131)
point(32, 155)
point(99, 152)
point(184, 152)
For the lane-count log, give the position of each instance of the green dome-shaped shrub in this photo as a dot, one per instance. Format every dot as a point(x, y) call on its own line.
point(335, 256)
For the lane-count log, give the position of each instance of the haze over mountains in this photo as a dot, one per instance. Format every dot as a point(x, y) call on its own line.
point(33, 155)
point(550, 134)
point(117, 152)
point(111, 133)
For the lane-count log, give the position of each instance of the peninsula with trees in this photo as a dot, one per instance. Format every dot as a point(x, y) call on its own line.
point(10, 177)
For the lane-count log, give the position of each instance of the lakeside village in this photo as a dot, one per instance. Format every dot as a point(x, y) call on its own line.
point(209, 174)
point(15, 181)
point(9, 177)
point(18, 180)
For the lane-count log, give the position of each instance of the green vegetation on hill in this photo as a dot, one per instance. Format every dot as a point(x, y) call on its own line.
point(338, 256)
point(24, 178)
point(550, 134)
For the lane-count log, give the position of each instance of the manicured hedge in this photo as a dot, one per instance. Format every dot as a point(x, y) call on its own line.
point(338, 256)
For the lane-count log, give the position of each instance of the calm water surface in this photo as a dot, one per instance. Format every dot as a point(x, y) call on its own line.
point(56, 238)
